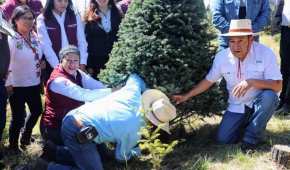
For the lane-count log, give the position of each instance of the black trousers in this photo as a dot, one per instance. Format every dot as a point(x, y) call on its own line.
point(285, 64)
point(30, 96)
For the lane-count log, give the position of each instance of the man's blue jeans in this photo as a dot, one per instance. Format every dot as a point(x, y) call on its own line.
point(86, 156)
point(233, 124)
point(3, 102)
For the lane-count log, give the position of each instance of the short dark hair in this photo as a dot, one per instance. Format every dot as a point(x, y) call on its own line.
point(68, 49)
point(18, 12)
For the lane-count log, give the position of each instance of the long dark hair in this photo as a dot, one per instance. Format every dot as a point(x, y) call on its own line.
point(93, 12)
point(49, 6)
point(18, 12)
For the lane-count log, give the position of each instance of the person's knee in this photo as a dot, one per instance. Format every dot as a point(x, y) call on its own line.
point(269, 96)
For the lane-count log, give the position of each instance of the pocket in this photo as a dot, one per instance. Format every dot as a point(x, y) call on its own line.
point(255, 73)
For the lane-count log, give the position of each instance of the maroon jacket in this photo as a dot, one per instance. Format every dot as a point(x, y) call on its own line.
point(9, 5)
point(54, 31)
point(57, 105)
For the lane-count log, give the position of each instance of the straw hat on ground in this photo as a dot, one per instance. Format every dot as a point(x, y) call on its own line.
point(158, 108)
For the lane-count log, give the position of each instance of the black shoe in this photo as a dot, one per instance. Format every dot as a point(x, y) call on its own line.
point(284, 110)
point(14, 150)
point(49, 151)
point(279, 105)
point(248, 148)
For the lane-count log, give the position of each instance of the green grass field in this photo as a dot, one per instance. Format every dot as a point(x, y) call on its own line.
point(197, 149)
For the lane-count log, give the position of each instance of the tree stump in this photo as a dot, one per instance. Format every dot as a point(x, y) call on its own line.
point(281, 155)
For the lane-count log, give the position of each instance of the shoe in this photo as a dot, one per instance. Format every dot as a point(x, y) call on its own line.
point(284, 110)
point(14, 150)
point(49, 151)
point(38, 164)
point(279, 105)
point(248, 148)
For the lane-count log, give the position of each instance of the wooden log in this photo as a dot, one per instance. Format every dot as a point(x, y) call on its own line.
point(281, 155)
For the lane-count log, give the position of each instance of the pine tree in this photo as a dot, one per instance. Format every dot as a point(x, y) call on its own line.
point(167, 42)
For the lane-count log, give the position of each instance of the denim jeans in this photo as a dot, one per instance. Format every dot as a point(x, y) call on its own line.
point(3, 102)
point(62, 154)
point(251, 129)
point(86, 156)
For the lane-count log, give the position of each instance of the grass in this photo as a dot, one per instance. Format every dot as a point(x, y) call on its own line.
point(197, 149)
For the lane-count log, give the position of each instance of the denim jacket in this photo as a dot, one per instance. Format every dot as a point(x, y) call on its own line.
point(223, 11)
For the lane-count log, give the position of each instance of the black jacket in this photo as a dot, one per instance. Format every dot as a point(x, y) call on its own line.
point(4, 56)
point(99, 42)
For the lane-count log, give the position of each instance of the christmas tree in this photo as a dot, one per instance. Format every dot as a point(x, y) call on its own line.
point(166, 42)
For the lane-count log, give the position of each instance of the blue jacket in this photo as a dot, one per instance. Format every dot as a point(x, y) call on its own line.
point(223, 11)
point(117, 118)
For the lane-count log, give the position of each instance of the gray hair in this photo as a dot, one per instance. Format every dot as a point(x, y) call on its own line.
point(68, 49)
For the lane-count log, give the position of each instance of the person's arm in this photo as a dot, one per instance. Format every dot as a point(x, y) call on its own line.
point(213, 75)
point(4, 56)
point(9, 80)
point(71, 90)
point(45, 42)
point(218, 16)
point(263, 19)
point(272, 75)
point(201, 87)
point(275, 85)
point(82, 43)
point(90, 83)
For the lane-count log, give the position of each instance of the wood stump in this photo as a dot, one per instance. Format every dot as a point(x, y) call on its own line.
point(281, 155)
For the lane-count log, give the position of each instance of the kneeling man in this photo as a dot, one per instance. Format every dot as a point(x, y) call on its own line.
point(253, 79)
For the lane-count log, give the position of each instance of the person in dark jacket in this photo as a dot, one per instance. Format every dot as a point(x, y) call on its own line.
point(4, 64)
point(102, 24)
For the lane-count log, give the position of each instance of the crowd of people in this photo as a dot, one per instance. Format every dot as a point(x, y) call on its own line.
point(55, 48)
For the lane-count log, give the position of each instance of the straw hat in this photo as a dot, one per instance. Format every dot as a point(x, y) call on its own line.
point(240, 27)
point(158, 109)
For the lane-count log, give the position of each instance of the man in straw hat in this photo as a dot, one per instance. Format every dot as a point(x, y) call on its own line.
point(253, 79)
point(115, 118)
point(223, 11)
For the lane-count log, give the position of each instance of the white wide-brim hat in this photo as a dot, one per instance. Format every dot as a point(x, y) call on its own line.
point(240, 27)
point(158, 108)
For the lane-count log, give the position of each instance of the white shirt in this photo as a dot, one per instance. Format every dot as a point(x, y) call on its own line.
point(286, 13)
point(91, 90)
point(260, 64)
point(106, 20)
point(24, 68)
point(46, 43)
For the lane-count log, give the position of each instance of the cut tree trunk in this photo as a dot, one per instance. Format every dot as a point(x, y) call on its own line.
point(281, 155)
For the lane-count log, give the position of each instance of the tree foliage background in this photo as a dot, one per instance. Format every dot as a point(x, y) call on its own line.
point(168, 43)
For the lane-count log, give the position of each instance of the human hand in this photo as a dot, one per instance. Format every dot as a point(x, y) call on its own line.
point(42, 64)
point(83, 68)
point(241, 89)
point(9, 90)
point(179, 98)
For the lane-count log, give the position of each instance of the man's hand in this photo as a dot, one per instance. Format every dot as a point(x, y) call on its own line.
point(9, 90)
point(83, 68)
point(241, 89)
point(179, 98)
